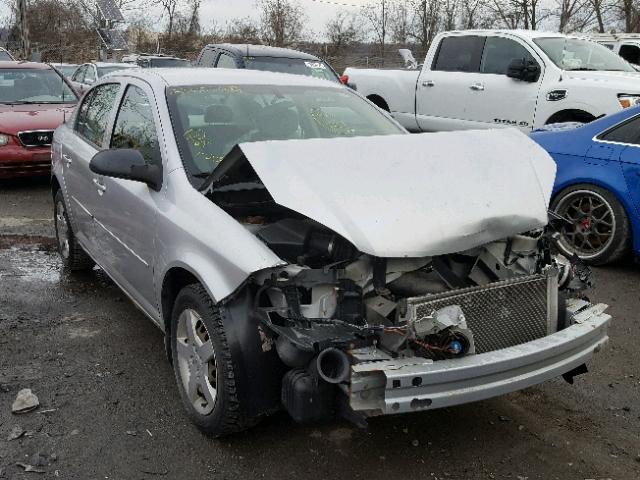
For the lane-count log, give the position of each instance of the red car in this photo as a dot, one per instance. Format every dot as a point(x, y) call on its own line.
point(34, 100)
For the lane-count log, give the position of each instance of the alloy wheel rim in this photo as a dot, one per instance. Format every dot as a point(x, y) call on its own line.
point(593, 223)
point(196, 361)
point(62, 230)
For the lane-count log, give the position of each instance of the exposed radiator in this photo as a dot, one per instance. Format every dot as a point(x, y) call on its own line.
point(502, 314)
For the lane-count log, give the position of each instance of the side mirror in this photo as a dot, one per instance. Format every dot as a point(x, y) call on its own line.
point(128, 164)
point(525, 70)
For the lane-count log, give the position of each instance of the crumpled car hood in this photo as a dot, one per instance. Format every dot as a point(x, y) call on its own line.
point(412, 195)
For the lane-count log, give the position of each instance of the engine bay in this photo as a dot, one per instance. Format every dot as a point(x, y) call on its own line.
point(331, 306)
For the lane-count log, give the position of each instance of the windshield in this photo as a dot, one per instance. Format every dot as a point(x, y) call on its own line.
point(209, 120)
point(169, 62)
point(19, 86)
point(576, 54)
point(297, 66)
point(4, 55)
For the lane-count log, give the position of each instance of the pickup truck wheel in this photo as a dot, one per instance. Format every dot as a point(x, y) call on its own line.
point(73, 256)
point(599, 232)
point(204, 366)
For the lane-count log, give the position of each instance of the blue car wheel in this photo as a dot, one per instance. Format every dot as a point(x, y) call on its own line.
point(599, 230)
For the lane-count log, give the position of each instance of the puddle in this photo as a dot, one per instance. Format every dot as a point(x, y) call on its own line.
point(29, 264)
point(30, 261)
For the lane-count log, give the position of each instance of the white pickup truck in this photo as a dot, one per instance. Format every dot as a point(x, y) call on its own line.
point(487, 78)
point(627, 45)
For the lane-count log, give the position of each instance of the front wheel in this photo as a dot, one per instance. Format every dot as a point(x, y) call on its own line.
point(73, 256)
point(599, 231)
point(204, 365)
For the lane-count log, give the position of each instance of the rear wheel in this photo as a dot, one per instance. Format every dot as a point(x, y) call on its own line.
point(599, 231)
point(204, 365)
point(73, 256)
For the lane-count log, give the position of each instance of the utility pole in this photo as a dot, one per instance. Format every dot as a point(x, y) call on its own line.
point(24, 28)
point(384, 28)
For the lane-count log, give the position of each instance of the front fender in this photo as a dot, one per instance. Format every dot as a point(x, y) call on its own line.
point(195, 234)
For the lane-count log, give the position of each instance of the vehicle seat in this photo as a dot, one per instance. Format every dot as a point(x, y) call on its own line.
point(278, 122)
point(30, 87)
point(213, 140)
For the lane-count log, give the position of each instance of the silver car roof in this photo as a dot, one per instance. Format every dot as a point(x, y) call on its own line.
point(222, 76)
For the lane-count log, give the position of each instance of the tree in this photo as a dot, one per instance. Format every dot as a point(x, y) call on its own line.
point(170, 7)
point(574, 15)
point(378, 16)
point(449, 14)
point(282, 22)
point(194, 19)
point(242, 30)
point(628, 14)
point(400, 21)
point(426, 22)
point(475, 14)
point(51, 24)
point(598, 7)
point(342, 31)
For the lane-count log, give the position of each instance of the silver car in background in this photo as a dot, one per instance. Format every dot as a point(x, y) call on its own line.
point(87, 74)
point(301, 251)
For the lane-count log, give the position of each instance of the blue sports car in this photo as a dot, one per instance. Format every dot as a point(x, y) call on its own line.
point(597, 185)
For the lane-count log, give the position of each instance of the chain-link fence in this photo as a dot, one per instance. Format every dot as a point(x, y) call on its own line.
point(358, 55)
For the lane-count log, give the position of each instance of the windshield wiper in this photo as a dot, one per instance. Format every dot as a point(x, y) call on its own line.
point(583, 69)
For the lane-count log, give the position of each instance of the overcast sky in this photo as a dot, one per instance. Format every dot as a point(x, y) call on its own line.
point(318, 11)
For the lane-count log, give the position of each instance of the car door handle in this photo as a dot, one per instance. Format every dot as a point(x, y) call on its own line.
point(477, 87)
point(101, 188)
point(67, 159)
point(428, 83)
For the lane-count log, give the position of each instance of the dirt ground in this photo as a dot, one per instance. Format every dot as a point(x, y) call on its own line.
point(109, 408)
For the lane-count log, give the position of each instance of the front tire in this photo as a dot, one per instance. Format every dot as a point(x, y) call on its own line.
point(204, 365)
point(599, 232)
point(72, 254)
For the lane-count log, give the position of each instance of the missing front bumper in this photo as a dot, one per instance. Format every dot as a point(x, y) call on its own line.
point(414, 384)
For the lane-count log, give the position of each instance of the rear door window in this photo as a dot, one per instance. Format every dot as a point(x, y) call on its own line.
point(79, 75)
point(226, 61)
point(459, 54)
point(207, 58)
point(93, 113)
point(631, 53)
point(499, 52)
point(90, 75)
point(628, 132)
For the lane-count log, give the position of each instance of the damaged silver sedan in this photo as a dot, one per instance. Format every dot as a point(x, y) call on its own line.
point(301, 251)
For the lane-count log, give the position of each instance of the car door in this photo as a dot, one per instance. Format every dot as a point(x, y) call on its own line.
point(443, 87)
point(127, 210)
point(79, 147)
point(78, 78)
point(494, 99)
point(622, 143)
point(90, 77)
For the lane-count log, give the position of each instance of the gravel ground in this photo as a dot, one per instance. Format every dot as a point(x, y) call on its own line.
point(109, 407)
